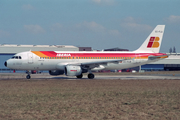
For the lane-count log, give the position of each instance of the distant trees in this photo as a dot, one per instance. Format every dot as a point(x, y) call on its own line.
point(172, 50)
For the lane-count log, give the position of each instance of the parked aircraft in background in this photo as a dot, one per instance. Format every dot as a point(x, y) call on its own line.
point(77, 63)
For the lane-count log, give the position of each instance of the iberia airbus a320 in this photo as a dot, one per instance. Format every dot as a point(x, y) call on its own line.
point(76, 63)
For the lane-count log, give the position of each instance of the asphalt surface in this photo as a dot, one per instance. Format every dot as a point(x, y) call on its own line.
point(11, 76)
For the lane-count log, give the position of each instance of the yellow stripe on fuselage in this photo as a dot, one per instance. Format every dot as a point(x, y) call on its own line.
point(40, 54)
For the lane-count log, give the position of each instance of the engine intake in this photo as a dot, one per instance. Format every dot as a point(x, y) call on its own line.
point(73, 70)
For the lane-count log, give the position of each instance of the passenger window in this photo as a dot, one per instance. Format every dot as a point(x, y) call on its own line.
point(19, 57)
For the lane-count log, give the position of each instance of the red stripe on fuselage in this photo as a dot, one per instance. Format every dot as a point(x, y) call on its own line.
point(54, 54)
point(49, 53)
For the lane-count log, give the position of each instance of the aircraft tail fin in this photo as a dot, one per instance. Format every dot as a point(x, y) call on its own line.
point(153, 42)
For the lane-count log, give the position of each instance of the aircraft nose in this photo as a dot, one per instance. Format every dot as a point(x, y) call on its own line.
point(5, 64)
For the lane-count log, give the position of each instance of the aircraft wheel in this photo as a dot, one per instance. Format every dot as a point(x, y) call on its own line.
point(80, 76)
point(90, 76)
point(28, 77)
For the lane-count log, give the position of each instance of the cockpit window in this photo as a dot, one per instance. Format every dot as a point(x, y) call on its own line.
point(16, 57)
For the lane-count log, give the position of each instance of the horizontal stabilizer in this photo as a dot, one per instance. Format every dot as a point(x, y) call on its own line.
point(157, 57)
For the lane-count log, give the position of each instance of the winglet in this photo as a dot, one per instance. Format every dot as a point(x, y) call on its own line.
point(153, 42)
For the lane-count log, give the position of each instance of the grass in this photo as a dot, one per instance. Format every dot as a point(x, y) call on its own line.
point(89, 99)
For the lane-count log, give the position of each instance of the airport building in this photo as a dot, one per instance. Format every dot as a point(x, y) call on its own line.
point(170, 63)
point(116, 49)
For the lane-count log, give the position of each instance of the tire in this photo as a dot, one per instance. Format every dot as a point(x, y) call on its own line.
point(80, 76)
point(28, 77)
point(91, 76)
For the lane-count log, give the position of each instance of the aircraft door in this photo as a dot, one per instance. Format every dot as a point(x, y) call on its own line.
point(30, 58)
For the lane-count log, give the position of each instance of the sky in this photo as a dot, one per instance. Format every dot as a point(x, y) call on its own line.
point(99, 24)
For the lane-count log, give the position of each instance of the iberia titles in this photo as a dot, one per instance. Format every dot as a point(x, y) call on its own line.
point(63, 55)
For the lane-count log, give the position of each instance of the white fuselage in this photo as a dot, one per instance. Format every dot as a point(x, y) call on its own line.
point(31, 61)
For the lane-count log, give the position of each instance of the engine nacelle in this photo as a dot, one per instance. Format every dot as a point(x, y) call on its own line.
point(73, 70)
point(56, 72)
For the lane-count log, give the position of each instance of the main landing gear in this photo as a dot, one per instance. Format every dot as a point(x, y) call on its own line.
point(90, 76)
point(80, 76)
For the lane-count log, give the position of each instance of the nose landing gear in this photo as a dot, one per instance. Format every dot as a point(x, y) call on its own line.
point(28, 75)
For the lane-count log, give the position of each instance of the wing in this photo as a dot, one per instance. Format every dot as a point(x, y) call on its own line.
point(93, 64)
point(100, 64)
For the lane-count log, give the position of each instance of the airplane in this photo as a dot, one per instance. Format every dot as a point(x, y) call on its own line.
point(75, 63)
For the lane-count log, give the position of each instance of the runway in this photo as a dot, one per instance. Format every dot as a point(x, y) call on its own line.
point(126, 77)
point(4, 76)
point(139, 77)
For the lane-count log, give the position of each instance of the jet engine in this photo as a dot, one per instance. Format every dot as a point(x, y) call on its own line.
point(56, 72)
point(73, 70)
